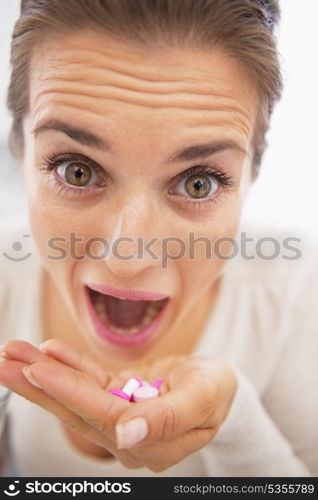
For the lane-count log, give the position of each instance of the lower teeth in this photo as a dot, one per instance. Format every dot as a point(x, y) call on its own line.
point(151, 312)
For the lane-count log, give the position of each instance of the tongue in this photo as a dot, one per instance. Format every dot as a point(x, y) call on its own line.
point(125, 313)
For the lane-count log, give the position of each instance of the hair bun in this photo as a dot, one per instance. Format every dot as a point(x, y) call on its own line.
point(271, 12)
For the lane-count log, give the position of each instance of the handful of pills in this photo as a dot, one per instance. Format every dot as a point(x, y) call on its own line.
point(137, 389)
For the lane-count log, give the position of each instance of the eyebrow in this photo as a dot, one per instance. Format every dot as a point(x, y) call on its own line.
point(205, 150)
point(184, 154)
point(77, 134)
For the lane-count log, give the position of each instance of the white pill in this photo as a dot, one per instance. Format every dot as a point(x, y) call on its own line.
point(131, 385)
point(143, 393)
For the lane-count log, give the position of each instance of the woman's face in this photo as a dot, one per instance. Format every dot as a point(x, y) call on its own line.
point(129, 146)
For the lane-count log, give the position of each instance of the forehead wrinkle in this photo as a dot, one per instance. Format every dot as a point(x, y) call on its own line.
point(101, 74)
point(184, 100)
point(69, 90)
point(91, 72)
point(103, 66)
point(177, 91)
point(133, 66)
point(228, 117)
point(141, 84)
point(227, 124)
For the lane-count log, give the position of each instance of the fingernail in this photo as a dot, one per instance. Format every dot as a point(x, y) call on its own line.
point(28, 375)
point(42, 347)
point(131, 433)
point(3, 354)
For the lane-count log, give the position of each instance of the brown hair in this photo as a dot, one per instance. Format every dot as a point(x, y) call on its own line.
point(243, 28)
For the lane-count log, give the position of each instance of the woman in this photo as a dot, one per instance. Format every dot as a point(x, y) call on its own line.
point(141, 125)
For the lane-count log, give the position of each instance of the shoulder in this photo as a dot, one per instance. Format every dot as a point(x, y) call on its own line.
point(271, 290)
point(267, 310)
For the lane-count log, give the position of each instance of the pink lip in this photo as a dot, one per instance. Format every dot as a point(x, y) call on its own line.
point(127, 294)
point(123, 340)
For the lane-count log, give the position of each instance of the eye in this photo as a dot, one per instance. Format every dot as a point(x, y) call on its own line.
point(197, 185)
point(200, 186)
point(76, 173)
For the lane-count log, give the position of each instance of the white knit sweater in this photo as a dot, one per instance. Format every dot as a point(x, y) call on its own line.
point(264, 322)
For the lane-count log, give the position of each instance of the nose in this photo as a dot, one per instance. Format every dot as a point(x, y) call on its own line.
point(134, 243)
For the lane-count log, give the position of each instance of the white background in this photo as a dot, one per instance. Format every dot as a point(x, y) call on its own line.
point(286, 192)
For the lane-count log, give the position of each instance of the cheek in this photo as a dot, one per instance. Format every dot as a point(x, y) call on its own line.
point(209, 247)
point(60, 235)
point(55, 221)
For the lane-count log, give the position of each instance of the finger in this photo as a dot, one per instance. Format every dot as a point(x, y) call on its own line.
point(189, 404)
point(80, 393)
point(12, 377)
point(160, 456)
point(58, 350)
point(25, 352)
point(72, 357)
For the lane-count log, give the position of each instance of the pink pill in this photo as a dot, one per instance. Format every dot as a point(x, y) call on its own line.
point(119, 393)
point(157, 383)
point(143, 393)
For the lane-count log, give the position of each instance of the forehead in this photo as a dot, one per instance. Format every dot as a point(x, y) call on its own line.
point(95, 79)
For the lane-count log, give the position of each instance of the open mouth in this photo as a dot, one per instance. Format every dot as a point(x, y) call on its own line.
point(124, 321)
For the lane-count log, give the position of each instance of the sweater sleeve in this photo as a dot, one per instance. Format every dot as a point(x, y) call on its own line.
point(249, 444)
point(276, 433)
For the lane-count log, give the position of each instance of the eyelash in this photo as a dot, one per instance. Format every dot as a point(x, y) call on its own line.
point(50, 163)
point(225, 181)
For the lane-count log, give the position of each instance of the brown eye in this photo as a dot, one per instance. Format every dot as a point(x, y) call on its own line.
point(197, 185)
point(76, 173)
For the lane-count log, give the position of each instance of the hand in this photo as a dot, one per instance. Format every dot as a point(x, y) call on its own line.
point(156, 433)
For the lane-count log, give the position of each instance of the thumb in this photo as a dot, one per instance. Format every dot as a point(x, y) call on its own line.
point(163, 418)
